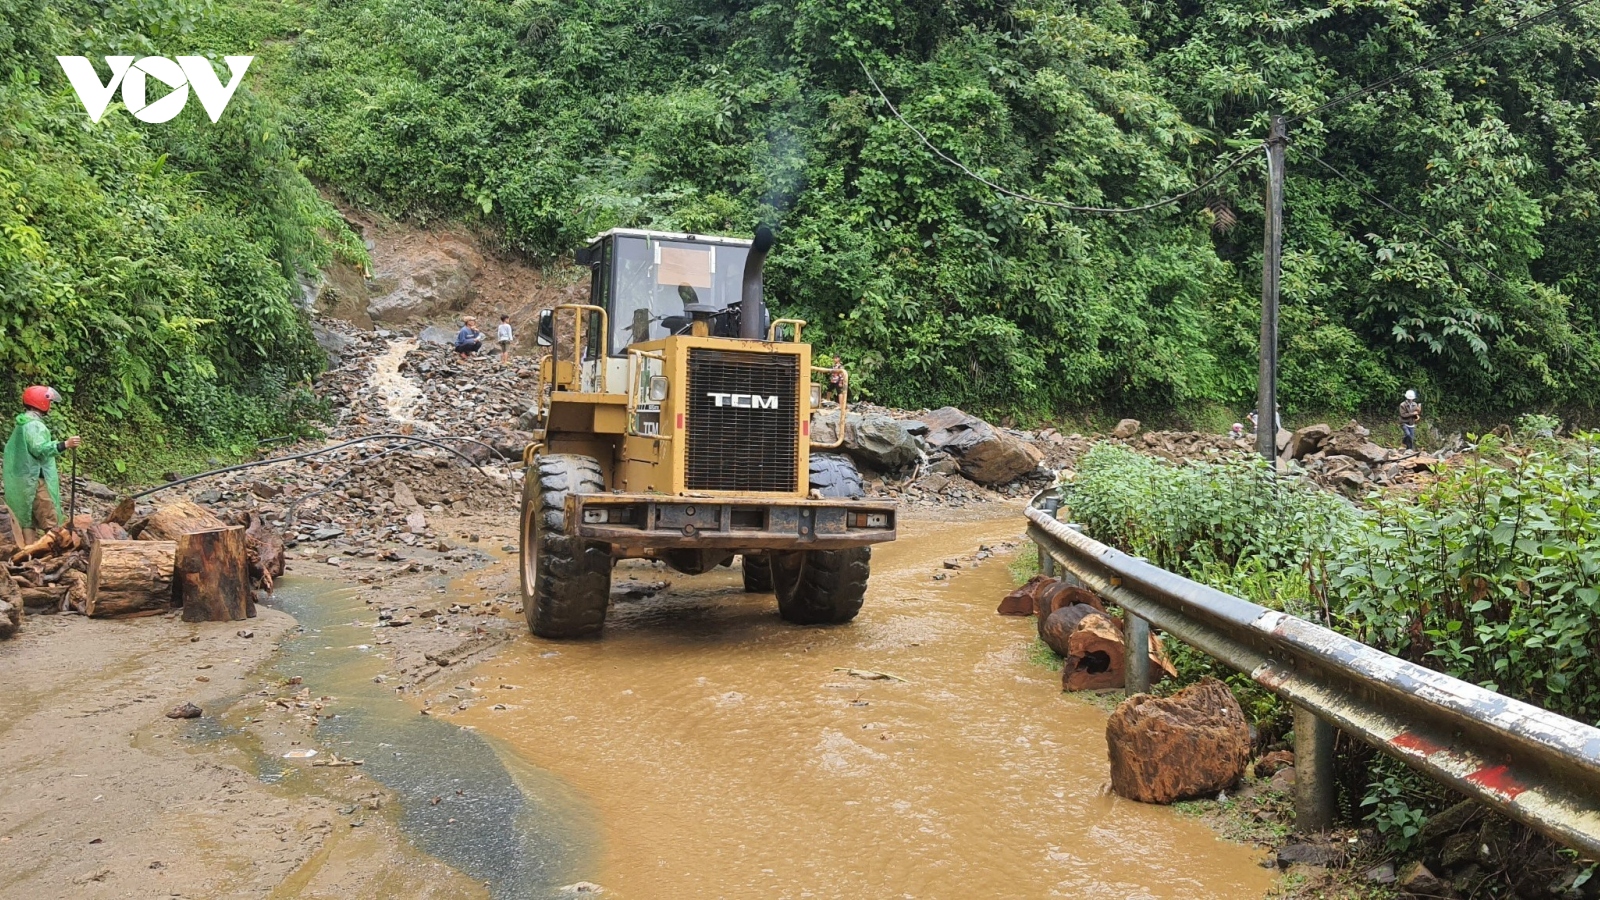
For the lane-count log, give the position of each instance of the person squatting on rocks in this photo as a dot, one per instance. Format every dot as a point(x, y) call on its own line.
point(469, 339)
point(32, 485)
point(1410, 415)
point(503, 338)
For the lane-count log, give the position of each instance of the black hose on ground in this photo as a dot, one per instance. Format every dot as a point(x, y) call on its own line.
point(329, 449)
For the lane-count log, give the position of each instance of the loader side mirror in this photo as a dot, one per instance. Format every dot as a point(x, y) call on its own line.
point(547, 328)
point(585, 257)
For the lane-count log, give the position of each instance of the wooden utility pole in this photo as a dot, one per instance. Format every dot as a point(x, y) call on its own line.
point(1271, 269)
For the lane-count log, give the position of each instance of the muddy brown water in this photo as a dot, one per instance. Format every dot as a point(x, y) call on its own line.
point(723, 753)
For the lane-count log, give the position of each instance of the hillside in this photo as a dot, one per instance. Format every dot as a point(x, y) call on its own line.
point(152, 268)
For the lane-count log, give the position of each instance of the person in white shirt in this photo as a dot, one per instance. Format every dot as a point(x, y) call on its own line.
point(504, 339)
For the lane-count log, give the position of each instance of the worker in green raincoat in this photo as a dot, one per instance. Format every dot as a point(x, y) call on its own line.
point(33, 488)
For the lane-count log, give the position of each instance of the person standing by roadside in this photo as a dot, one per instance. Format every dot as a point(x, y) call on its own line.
point(1410, 415)
point(503, 337)
point(32, 485)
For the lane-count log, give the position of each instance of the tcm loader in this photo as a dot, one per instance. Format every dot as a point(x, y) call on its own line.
point(674, 423)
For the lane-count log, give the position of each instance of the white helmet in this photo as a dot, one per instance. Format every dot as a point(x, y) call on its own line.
point(1411, 395)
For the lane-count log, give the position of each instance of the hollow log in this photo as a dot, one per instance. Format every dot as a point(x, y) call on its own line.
point(130, 578)
point(211, 576)
point(1095, 657)
point(177, 518)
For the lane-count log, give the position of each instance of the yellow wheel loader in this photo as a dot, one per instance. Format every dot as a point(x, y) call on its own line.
point(674, 423)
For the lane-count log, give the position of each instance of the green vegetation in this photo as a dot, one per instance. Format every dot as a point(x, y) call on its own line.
point(1490, 574)
point(550, 121)
point(148, 271)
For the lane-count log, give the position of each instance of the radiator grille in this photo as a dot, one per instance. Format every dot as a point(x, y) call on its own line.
point(747, 443)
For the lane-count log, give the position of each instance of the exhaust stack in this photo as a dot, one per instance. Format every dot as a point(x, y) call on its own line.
point(750, 302)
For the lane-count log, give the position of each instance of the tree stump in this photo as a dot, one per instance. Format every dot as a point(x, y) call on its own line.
point(177, 518)
point(130, 578)
point(211, 575)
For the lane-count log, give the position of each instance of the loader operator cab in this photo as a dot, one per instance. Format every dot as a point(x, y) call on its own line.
point(654, 285)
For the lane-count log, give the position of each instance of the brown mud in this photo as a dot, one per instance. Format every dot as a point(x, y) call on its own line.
point(727, 754)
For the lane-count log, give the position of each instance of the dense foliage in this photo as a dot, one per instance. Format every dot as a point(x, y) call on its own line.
point(148, 271)
point(556, 120)
point(1492, 574)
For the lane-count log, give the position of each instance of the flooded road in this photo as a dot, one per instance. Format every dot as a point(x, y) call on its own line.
point(727, 754)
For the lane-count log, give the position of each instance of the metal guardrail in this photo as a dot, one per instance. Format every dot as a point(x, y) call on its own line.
point(1537, 767)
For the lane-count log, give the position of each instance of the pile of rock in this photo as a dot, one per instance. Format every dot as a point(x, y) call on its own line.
point(1349, 460)
point(1467, 848)
point(943, 456)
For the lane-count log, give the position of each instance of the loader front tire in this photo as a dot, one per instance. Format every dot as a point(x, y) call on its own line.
point(820, 587)
point(566, 581)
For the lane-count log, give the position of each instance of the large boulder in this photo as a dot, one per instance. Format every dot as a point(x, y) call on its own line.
point(1191, 744)
point(427, 282)
point(875, 440)
point(1125, 429)
point(1308, 440)
point(985, 454)
point(334, 345)
point(1354, 445)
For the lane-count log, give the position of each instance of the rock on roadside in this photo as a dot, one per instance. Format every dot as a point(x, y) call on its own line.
point(1163, 749)
point(985, 454)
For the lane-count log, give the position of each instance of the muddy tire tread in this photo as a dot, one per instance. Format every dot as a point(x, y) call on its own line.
point(757, 572)
point(572, 587)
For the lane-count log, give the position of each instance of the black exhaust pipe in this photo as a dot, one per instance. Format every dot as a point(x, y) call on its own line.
point(751, 306)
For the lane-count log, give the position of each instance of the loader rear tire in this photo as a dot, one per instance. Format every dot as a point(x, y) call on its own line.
point(835, 477)
point(566, 581)
point(757, 573)
point(820, 587)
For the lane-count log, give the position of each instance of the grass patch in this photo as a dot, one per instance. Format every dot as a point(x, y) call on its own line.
point(1040, 654)
point(1024, 564)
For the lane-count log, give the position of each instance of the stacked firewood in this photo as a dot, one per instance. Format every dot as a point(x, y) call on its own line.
point(180, 555)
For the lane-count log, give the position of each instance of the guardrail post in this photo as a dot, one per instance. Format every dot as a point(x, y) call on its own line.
point(1313, 771)
point(1047, 563)
point(1136, 656)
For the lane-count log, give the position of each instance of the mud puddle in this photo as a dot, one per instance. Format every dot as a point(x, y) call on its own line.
point(518, 831)
point(730, 755)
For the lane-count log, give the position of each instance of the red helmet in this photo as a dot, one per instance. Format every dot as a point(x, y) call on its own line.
point(40, 397)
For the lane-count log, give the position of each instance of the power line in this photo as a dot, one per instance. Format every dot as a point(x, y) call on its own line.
point(1418, 222)
point(1029, 198)
point(1435, 60)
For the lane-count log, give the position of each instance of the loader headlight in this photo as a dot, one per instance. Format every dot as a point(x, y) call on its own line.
point(816, 395)
point(658, 388)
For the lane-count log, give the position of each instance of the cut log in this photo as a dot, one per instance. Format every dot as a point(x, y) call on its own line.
point(1020, 602)
point(1060, 596)
point(53, 542)
point(212, 577)
point(177, 518)
point(10, 606)
point(130, 578)
point(1095, 659)
point(105, 531)
point(46, 597)
point(1060, 625)
point(1191, 744)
